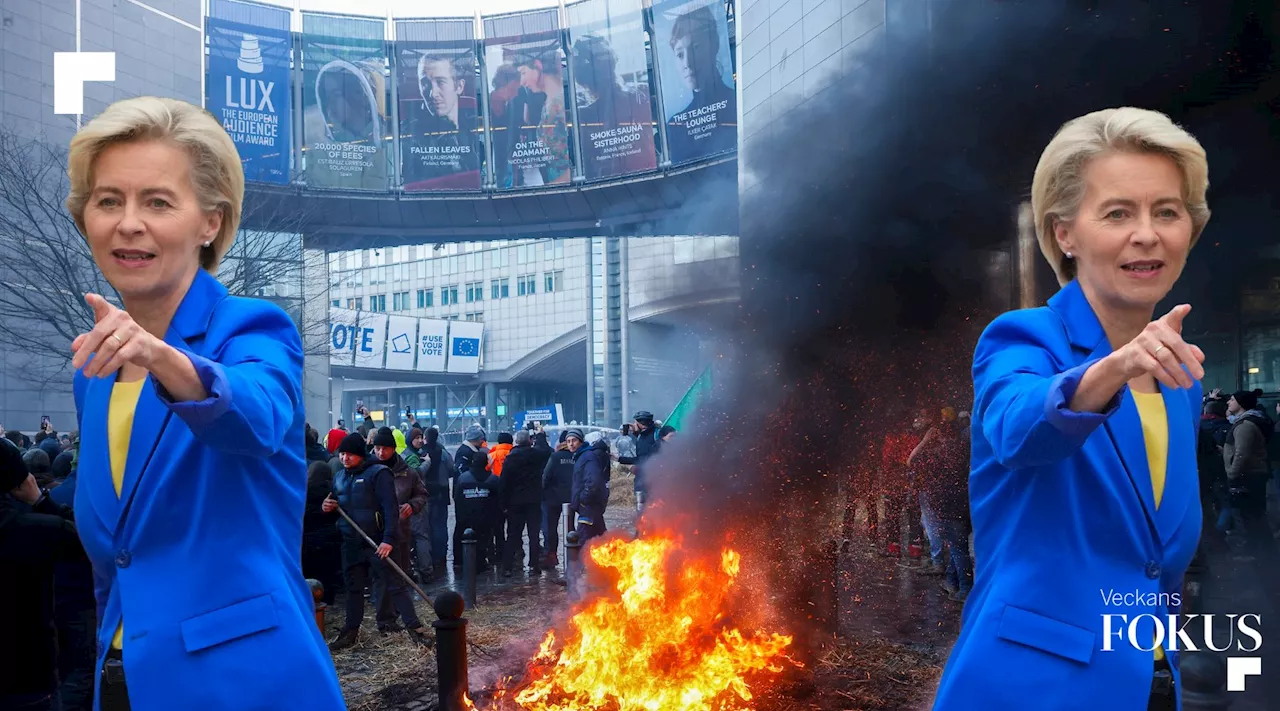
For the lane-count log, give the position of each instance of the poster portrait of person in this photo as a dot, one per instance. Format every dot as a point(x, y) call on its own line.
point(708, 123)
point(537, 120)
point(505, 85)
point(440, 142)
point(345, 124)
point(616, 122)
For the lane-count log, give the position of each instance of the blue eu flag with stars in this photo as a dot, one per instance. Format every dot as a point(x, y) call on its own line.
point(466, 347)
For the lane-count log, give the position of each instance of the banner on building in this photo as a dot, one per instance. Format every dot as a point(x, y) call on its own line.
point(342, 336)
point(402, 337)
point(528, 115)
point(611, 74)
point(465, 343)
point(433, 337)
point(248, 91)
point(440, 120)
point(692, 54)
point(371, 334)
point(344, 102)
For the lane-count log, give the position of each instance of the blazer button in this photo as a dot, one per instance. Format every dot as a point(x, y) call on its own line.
point(123, 558)
point(1153, 570)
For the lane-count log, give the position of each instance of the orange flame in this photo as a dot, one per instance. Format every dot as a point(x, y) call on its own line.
point(659, 645)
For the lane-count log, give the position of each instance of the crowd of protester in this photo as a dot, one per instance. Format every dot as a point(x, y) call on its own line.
point(397, 489)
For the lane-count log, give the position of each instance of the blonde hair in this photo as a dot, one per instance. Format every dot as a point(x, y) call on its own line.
point(1059, 186)
point(216, 174)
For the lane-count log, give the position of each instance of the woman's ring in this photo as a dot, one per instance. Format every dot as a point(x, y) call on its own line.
point(1156, 352)
point(121, 343)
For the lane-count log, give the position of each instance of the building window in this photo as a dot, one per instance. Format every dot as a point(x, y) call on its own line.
point(337, 303)
point(475, 291)
point(425, 298)
point(449, 295)
point(527, 285)
point(400, 301)
point(554, 281)
point(501, 257)
point(378, 303)
point(422, 268)
point(477, 316)
point(554, 249)
point(500, 288)
point(525, 253)
point(359, 305)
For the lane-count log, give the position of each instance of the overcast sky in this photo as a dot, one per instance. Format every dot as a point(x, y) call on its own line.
point(418, 8)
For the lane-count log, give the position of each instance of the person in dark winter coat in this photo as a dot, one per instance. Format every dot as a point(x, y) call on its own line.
point(35, 533)
point(50, 444)
point(590, 494)
point(476, 494)
point(411, 496)
point(315, 451)
point(431, 528)
point(942, 458)
point(522, 500)
point(557, 490)
point(366, 491)
point(648, 443)
point(321, 540)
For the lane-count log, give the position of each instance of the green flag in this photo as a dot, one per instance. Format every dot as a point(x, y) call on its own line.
point(685, 408)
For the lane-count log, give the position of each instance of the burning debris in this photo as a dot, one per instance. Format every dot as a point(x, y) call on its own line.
point(662, 639)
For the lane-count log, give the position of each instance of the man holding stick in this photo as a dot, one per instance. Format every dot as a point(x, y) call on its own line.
point(365, 491)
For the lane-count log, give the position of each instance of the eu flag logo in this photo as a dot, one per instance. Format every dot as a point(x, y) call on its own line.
point(466, 347)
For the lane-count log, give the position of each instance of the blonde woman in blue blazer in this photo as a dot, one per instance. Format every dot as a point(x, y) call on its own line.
point(1083, 485)
point(192, 480)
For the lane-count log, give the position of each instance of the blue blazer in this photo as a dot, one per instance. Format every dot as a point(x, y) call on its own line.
point(201, 551)
point(1064, 516)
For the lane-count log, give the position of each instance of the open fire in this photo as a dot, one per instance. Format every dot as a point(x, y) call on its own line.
point(660, 641)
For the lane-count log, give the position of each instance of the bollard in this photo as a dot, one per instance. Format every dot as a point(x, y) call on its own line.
point(317, 597)
point(1204, 682)
point(451, 651)
point(572, 565)
point(469, 566)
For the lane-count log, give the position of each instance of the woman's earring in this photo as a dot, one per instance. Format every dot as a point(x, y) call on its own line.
point(211, 242)
point(1065, 254)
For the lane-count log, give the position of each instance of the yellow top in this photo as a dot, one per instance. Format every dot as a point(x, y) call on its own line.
point(124, 401)
point(1155, 433)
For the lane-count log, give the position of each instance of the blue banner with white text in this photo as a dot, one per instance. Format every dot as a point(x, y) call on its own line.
point(248, 91)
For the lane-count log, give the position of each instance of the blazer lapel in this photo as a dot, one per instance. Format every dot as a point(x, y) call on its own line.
point(1181, 478)
point(95, 451)
point(1125, 429)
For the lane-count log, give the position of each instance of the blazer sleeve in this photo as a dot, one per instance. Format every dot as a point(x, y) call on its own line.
point(254, 383)
point(1022, 396)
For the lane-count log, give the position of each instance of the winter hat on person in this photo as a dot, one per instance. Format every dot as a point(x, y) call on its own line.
point(506, 438)
point(12, 471)
point(644, 416)
point(384, 438)
point(574, 432)
point(1246, 399)
point(353, 444)
point(415, 433)
point(475, 433)
point(37, 461)
point(433, 436)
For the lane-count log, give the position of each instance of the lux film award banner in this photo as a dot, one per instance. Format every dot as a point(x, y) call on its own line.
point(402, 335)
point(440, 123)
point(692, 54)
point(344, 104)
point(611, 77)
point(528, 114)
point(343, 335)
point(433, 335)
point(248, 91)
point(465, 343)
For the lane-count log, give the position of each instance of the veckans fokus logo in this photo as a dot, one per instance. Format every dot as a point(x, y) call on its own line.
point(1239, 636)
